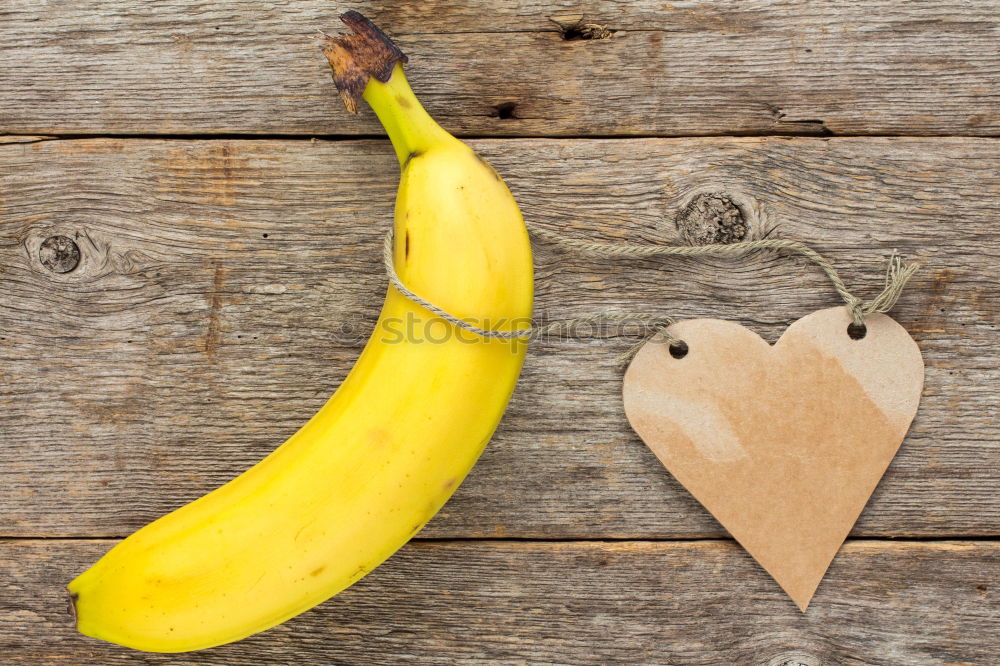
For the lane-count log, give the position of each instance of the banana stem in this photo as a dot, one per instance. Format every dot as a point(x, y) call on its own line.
point(366, 64)
point(410, 128)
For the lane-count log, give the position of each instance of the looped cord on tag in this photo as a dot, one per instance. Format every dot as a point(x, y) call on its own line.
point(897, 275)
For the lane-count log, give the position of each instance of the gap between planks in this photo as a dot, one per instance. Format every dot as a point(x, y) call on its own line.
point(912, 540)
point(251, 136)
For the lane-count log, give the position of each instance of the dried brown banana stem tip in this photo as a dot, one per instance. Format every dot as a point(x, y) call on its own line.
point(359, 55)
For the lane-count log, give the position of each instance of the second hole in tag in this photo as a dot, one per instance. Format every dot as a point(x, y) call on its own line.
point(857, 331)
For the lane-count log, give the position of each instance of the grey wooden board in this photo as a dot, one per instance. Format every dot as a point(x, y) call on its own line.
point(508, 602)
point(186, 345)
point(681, 68)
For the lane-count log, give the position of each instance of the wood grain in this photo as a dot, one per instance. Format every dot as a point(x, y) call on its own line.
point(681, 68)
point(225, 288)
point(507, 602)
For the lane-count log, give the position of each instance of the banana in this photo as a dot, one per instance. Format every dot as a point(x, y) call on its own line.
point(391, 445)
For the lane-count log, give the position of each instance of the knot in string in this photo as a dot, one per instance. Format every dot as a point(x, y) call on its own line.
point(897, 274)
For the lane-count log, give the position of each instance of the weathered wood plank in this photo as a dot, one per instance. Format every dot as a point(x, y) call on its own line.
point(682, 68)
point(508, 602)
point(225, 287)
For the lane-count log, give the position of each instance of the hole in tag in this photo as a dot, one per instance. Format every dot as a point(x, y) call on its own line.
point(857, 331)
point(679, 349)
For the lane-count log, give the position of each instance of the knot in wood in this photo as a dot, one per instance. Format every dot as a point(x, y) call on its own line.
point(59, 254)
point(712, 218)
point(795, 659)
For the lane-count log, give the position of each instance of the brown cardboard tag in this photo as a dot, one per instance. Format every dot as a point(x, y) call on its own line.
point(783, 444)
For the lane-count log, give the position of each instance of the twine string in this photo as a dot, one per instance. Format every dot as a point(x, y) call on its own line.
point(898, 273)
point(557, 328)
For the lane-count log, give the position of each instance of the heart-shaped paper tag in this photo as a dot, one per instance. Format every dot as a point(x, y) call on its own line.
point(783, 444)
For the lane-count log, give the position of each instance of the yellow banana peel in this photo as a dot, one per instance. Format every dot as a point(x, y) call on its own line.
point(391, 445)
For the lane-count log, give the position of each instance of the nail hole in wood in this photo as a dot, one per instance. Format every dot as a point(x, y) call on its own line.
point(504, 111)
point(59, 254)
point(581, 30)
point(857, 331)
point(264, 235)
point(678, 349)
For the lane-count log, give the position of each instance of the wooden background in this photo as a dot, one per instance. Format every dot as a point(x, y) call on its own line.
point(229, 214)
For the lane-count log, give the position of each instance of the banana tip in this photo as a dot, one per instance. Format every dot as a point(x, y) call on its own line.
point(71, 598)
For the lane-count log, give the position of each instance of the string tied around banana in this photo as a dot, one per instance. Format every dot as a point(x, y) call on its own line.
point(897, 274)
